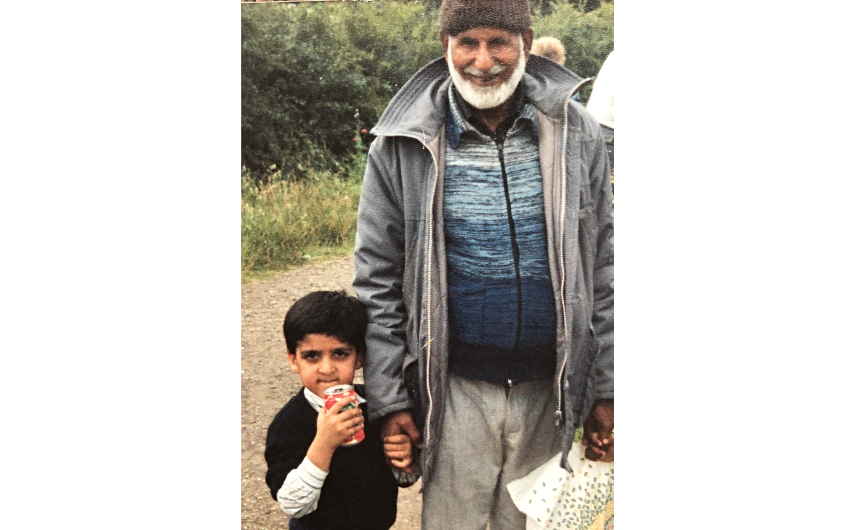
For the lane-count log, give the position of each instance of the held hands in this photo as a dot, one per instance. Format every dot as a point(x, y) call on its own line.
point(597, 435)
point(334, 427)
point(398, 451)
point(398, 431)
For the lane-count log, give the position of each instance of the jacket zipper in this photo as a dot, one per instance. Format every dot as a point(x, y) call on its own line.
point(515, 248)
point(558, 413)
point(429, 271)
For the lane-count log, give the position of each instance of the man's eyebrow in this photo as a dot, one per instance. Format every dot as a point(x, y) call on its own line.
point(468, 41)
point(498, 40)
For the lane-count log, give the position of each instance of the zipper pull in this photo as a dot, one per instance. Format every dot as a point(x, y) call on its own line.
point(557, 417)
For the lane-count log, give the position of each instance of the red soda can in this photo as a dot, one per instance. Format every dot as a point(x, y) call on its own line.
point(335, 394)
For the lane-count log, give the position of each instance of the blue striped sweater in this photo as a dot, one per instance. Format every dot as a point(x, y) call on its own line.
point(501, 304)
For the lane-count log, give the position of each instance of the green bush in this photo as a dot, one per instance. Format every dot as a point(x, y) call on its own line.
point(314, 75)
point(287, 222)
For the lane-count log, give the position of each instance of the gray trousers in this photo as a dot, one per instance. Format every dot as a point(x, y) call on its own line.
point(490, 436)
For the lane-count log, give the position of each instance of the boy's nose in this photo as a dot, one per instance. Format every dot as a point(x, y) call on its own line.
point(326, 366)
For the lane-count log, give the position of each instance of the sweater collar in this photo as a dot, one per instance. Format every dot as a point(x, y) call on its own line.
point(463, 117)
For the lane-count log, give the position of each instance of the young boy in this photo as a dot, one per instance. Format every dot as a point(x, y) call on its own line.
point(320, 483)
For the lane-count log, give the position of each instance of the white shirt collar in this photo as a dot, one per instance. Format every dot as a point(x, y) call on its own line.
point(318, 402)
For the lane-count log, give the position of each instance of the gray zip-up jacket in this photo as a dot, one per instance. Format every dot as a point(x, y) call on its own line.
point(400, 264)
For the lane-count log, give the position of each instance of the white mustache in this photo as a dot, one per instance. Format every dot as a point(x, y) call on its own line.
point(477, 72)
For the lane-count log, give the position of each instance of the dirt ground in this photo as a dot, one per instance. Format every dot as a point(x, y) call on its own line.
point(268, 383)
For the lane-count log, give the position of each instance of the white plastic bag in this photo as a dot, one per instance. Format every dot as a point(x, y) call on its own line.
point(554, 499)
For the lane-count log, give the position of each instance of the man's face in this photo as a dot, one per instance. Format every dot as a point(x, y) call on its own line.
point(323, 361)
point(487, 63)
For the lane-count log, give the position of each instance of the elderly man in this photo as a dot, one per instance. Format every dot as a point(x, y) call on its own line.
point(484, 255)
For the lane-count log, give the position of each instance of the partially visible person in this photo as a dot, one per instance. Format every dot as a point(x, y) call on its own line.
point(601, 105)
point(549, 47)
point(552, 48)
point(319, 482)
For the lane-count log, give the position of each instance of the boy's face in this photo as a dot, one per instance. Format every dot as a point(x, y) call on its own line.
point(323, 361)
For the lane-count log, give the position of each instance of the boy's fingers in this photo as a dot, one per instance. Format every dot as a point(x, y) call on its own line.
point(347, 417)
point(341, 403)
point(396, 438)
point(397, 453)
point(401, 464)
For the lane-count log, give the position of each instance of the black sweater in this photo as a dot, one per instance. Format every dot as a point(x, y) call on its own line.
point(360, 491)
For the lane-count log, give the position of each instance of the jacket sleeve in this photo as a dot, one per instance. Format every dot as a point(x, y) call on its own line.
point(379, 262)
point(603, 318)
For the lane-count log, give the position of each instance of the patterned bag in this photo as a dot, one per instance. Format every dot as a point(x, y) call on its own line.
point(554, 499)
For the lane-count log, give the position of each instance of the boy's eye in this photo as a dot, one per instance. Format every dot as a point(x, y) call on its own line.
point(342, 354)
point(310, 356)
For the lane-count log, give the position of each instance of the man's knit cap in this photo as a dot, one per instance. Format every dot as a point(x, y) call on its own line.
point(457, 16)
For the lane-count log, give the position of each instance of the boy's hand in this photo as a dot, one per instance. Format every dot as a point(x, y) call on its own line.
point(335, 428)
point(398, 451)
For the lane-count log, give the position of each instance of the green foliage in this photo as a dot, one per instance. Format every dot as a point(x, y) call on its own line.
point(588, 37)
point(314, 75)
point(287, 221)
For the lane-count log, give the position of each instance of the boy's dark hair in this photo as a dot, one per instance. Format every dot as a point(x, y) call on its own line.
point(332, 313)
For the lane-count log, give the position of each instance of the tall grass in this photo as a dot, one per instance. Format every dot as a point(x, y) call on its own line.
point(287, 222)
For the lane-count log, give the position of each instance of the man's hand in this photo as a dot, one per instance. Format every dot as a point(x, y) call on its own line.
point(395, 425)
point(597, 435)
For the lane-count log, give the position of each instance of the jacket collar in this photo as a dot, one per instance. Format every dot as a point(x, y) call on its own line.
point(419, 110)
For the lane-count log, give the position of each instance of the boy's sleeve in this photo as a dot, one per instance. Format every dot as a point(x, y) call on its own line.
point(300, 493)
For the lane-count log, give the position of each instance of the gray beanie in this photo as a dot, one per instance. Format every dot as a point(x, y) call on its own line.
point(457, 16)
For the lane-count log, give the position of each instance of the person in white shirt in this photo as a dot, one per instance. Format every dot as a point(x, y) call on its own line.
point(601, 105)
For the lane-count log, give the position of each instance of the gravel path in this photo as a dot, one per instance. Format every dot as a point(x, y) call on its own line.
point(268, 383)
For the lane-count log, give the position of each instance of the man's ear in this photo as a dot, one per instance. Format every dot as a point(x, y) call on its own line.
point(528, 38)
point(293, 365)
point(444, 38)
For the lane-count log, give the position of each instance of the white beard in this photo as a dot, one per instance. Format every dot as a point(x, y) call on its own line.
point(487, 97)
